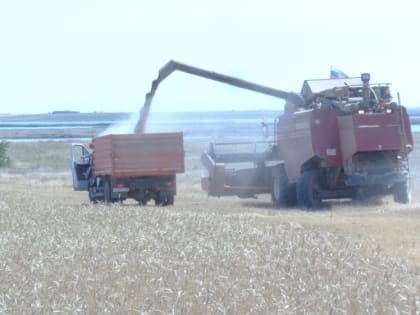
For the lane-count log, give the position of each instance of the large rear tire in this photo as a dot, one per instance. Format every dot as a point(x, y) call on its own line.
point(283, 194)
point(402, 192)
point(307, 190)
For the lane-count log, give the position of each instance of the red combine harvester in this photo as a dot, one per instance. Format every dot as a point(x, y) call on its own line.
point(338, 138)
point(347, 141)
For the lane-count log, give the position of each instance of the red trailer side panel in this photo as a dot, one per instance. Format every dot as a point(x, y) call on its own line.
point(132, 155)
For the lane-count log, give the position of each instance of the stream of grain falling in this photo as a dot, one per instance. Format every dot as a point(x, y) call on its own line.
point(144, 112)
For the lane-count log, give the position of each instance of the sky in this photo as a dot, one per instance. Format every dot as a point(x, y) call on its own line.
point(102, 55)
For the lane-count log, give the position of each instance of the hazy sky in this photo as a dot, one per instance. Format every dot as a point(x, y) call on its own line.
point(101, 55)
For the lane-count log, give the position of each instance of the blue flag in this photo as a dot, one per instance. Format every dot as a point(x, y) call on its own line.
point(337, 74)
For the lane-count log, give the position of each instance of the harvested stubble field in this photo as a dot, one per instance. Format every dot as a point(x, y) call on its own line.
point(59, 254)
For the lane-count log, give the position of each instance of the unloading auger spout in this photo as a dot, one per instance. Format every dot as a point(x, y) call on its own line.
point(172, 66)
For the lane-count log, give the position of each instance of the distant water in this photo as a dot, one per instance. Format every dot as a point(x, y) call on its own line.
point(211, 126)
point(195, 125)
point(38, 125)
point(415, 128)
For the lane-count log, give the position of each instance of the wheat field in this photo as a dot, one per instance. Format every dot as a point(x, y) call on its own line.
point(59, 254)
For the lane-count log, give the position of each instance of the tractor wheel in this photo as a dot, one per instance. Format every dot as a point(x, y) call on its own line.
point(307, 190)
point(283, 194)
point(402, 192)
point(107, 192)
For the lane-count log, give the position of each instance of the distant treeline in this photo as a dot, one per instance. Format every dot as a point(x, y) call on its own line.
point(65, 112)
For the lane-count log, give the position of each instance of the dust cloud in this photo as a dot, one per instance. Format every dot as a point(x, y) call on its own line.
point(122, 127)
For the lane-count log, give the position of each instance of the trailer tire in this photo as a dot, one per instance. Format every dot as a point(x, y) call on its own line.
point(92, 197)
point(283, 194)
point(168, 201)
point(164, 200)
point(402, 192)
point(307, 190)
point(107, 192)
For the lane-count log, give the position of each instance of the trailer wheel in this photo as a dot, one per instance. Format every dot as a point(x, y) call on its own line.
point(402, 192)
point(107, 192)
point(92, 197)
point(307, 190)
point(170, 201)
point(167, 201)
point(283, 194)
point(157, 199)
